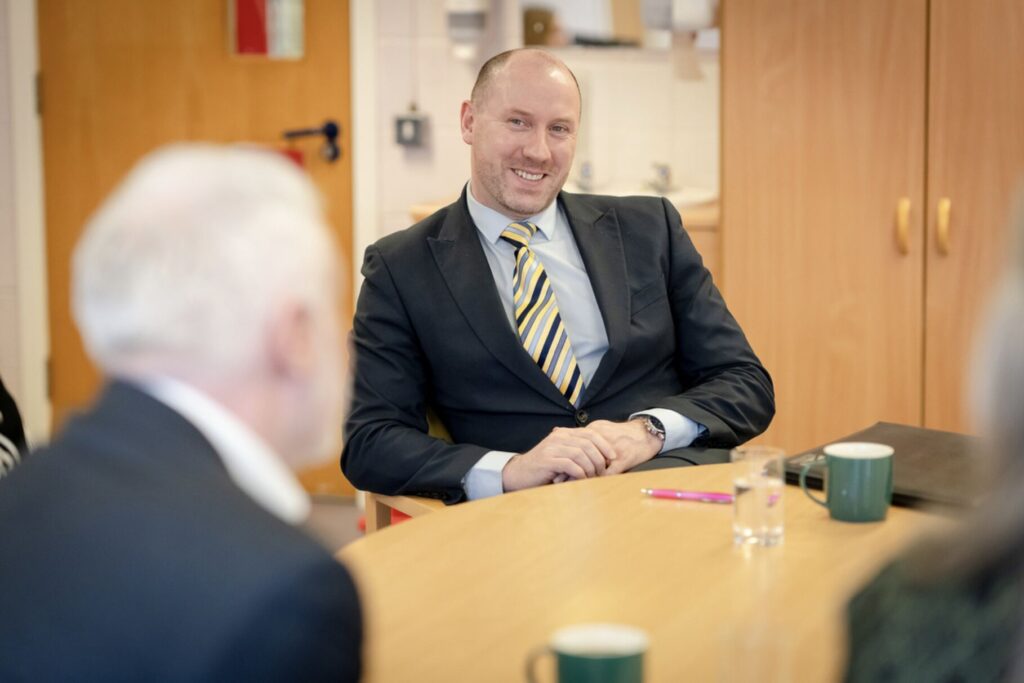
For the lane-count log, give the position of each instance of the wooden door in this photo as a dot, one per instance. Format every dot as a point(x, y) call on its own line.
point(121, 77)
point(975, 161)
point(823, 110)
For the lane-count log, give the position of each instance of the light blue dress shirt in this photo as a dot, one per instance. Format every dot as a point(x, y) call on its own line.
point(555, 247)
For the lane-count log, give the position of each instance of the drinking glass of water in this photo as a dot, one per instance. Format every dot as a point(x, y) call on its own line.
point(758, 484)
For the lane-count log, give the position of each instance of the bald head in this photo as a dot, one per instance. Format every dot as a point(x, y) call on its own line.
point(522, 56)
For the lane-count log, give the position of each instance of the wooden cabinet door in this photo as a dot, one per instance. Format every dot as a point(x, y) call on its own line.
point(975, 161)
point(823, 107)
point(121, 77)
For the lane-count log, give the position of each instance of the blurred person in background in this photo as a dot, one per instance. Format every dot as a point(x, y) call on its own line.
point(155, 538)
point(951, 608)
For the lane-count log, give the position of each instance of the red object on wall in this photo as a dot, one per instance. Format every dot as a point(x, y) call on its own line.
point(251, 27)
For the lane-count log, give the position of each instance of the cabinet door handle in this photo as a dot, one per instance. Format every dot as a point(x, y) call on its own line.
point(942, 225)
point(903, 225)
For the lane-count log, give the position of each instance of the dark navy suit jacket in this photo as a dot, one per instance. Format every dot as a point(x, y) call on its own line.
point(430, 332)
point(127, 553)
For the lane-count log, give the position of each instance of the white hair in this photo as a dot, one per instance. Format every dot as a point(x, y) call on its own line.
point(184, 263)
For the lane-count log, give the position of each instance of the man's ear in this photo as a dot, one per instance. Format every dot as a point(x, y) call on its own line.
point(291, 346)
point(466, 119)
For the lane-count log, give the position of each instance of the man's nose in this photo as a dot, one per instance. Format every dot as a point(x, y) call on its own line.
point(536, 147)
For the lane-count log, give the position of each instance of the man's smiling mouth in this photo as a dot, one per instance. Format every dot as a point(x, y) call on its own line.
point(526, 175)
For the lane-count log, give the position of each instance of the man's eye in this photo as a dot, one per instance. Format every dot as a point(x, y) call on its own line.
point(517, 122)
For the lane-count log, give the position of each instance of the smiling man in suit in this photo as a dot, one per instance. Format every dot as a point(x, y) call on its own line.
point(155, 539)
point(556, 336)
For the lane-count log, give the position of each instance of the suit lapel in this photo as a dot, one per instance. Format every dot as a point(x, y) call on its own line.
point(461, 262)
point(600, 243)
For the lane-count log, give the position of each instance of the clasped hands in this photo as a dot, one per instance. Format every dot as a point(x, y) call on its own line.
point(599, 449)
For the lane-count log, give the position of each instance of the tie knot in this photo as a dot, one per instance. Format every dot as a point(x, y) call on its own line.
point(519, 234)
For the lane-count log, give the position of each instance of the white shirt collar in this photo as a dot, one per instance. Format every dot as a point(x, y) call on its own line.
point(250, 462)
point(491, 223)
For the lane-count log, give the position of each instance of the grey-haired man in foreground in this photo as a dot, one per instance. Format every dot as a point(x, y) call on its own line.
point(155, 538)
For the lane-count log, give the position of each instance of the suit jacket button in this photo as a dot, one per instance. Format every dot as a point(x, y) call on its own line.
point(582, 418)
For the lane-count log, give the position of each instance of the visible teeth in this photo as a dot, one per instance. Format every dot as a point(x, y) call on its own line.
point(528, 176)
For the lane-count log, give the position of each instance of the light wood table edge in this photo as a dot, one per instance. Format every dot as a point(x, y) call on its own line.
point(379, 507)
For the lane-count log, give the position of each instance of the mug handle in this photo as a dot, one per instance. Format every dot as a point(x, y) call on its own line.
point(533, 658)
point(803, 484)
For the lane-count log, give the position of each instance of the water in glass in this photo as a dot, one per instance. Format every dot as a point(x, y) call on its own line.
point(758, 487)
point(758, 510)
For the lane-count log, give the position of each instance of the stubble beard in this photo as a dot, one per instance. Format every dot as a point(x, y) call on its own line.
point(513, 205)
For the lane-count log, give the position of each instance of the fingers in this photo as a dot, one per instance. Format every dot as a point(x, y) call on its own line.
point(619, 466)
point(601, 443)
point(631, 442)
point(535, 468)
point(574, 453)
point(566, 454)
point(590, 449)
point(569, 469)
point(584, 453)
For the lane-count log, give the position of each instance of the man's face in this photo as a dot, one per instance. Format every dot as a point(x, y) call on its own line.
point(523, 134)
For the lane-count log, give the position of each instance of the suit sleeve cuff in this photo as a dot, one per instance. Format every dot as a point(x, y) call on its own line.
point(680, 431)
point(484, 479)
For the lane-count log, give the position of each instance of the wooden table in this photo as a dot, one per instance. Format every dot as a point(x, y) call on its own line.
point(464, 593)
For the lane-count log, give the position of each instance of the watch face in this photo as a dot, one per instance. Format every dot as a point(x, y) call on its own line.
point(654, 426)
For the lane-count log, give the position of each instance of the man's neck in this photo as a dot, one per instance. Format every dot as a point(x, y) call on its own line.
point(508, 219)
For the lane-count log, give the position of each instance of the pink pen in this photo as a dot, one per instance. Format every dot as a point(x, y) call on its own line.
point(699, 496)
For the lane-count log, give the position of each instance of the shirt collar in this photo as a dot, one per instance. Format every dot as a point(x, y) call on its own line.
point(250, 462)
point(491, 224)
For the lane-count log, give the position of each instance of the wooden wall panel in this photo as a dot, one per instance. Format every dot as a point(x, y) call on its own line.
point(823, 108)
point(976, 160)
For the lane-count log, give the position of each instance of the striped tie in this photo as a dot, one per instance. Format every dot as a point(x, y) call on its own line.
point(537, 318)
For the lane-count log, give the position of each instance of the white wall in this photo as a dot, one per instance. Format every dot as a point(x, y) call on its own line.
point(638, 112)
point(9, 343)
point(414, 62)
point(24, 341)
point(363, 52)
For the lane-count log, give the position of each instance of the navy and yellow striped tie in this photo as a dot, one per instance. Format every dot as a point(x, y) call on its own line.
point(537, 318)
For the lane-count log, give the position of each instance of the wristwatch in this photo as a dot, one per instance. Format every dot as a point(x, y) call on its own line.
point(653, 426)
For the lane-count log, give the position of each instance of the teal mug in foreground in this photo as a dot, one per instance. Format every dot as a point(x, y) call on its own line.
point(594, 653)
point(859, 481)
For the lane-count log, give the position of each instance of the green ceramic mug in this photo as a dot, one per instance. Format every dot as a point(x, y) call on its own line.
point(594, 653)
point(859, 481)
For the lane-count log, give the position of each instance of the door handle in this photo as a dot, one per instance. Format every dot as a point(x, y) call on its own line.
point(942, 225)
point(903, 225)
point(330, 130)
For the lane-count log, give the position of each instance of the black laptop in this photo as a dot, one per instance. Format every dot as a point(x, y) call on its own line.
point(929, 467)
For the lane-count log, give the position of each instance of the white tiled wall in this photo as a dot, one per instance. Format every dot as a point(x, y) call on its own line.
point(9, 338)
point(415, 63)
point(636, 111)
